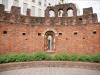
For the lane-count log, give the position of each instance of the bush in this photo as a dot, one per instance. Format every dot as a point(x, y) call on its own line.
point(41, 56)
point(10, 58)
point(15, 58)
point(96, 58)
point(73, 57)
point(22, 58)
point(61, 57)
point(84, 58)
point(2, 59)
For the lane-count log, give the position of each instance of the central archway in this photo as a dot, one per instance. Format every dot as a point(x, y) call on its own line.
point(49, 40)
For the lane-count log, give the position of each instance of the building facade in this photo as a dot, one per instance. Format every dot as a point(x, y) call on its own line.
point(37, 6)
point(57, 34)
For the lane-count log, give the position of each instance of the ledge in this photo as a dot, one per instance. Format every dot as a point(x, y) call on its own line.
point(50, 51)
point(65, 64)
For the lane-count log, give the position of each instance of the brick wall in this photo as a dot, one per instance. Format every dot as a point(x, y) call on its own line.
point(69, 39)
point(18, 33)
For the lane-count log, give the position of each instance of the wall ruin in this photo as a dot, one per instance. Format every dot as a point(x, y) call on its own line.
point(77, 34)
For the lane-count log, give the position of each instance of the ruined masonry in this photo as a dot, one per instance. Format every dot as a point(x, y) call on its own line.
point(76, 34)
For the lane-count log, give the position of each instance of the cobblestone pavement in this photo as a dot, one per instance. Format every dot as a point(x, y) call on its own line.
point(51, 71)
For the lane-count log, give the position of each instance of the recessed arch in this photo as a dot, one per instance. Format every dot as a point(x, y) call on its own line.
point(51, 13)
point(49, 40)
point(70, 12)
point(63, 8)
point(50, 29)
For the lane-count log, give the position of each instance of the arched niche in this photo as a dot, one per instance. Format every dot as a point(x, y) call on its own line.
point(49, 40)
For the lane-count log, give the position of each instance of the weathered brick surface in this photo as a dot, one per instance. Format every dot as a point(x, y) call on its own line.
point(84, 42)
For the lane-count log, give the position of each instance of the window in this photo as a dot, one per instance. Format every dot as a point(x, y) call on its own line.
point(45, 3)
point(33, 0)
point(0, 1)
point(25, 5)
point(5, 2)
point(40, 3)
point(16, 3)
point(33, 11)
point(39, 12)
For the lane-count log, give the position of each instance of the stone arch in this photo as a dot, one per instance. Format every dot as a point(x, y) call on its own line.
point(60, 12)
point(63, 7)
point(72, 7)
point(55, 34)
point(70, 12)
point(49, 40)
point(51, 13)
point(48, 10)
point(50, 29)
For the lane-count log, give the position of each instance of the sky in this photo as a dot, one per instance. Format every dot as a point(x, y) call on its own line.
point(95, 4)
